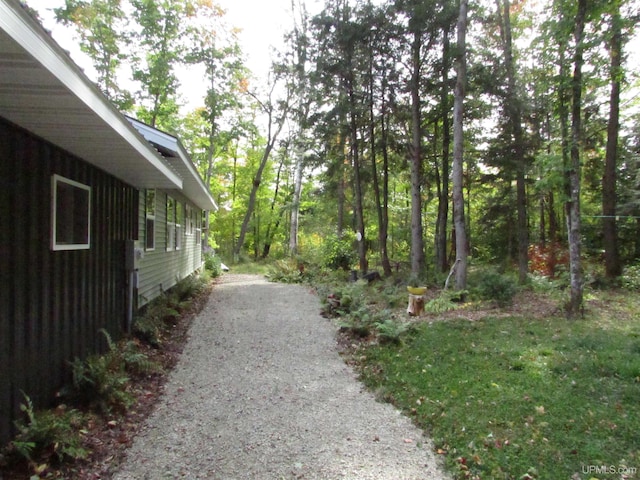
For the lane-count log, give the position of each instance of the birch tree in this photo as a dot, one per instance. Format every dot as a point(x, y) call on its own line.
point(460, 265)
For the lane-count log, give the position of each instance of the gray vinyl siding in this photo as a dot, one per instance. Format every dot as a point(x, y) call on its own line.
point(159, 269)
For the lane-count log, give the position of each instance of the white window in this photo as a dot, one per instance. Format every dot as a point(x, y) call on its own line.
point(198, 221)
point(150, 220)
point(179, 224)
point(188, 227)
point(171, 223)
point(70, 214)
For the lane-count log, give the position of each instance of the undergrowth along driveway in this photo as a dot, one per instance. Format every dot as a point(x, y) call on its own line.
point(520, 397)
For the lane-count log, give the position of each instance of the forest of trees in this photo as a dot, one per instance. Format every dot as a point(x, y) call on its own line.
point(429, 133)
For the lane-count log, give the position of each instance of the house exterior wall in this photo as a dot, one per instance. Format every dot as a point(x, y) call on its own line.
point(163, 267)
point(53, 303)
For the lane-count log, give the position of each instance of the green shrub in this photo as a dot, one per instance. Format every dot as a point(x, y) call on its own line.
point(443, 302)
point(359, 322)
point(212, 264)
point(491, 285)
point(100, 385)
point(156, 317)
point(135, 361)
point(163, 312)
point(344, 299)
point(338, 253)
point(286, 271)
point(54, 433)
point(189, 287)
point(630, 278)
point(391, 330)
point(147, 329)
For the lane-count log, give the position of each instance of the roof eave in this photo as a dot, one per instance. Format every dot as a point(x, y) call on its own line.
point(137, 164)
point(193, 186)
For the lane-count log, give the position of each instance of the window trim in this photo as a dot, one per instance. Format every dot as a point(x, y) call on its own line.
point(199, 223)
point(179, 224)
point(188, 215)
point(148, 217)
point(171, 224)
point(55, 180)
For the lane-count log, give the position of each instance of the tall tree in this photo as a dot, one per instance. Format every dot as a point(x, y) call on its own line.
point(299, 40)
point(99, 25)
point(573, 204)
point(513, 107)
point(159, 37)
point(276, 115)
point(377, 80)
point(458, 149)
point(416, 28)
point(442, 171)
point(213, 45)
point(613, 266)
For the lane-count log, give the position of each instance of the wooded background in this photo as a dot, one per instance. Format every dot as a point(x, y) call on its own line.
point(433, 131)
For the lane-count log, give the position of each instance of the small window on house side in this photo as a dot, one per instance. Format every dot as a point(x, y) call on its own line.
point(199, 228)
point(171, 223)
point(179, 224)
point(150, 220)
point(70, 214)
point(188, 228)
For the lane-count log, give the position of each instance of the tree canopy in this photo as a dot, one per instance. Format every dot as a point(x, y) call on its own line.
point(426, 133)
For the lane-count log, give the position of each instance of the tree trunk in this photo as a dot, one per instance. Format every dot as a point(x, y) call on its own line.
point(209, 171)
point(358, 200)
point(554, 235)
point(379, 201)
point(458, 151)
point(233, 202)
point(554, 228)
point(257, 179)
point(636, 252)
point(573, 205)
point(613, 267)
point(384, 227)
point(271, 229)
point(543, 222)
point(295, 206)
point(341, 189)
point(417, 243)
point(441, 261)
point(517, 139)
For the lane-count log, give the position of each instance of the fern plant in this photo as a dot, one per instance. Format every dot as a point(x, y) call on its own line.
point(101, 381)
point(391, 331)
point(135, 361)
point(48, 432)
point(285, 271)
point(442, 303)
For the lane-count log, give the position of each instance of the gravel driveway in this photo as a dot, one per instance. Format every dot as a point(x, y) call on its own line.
point(260, 392)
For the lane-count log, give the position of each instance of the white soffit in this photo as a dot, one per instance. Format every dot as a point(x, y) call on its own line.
point(43, 91)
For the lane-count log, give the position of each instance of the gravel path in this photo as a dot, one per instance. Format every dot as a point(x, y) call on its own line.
point(260, 392)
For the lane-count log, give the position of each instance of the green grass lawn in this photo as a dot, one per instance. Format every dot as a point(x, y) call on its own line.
point(518, 397)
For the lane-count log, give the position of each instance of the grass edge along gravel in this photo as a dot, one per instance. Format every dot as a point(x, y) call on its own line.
point(517, 397)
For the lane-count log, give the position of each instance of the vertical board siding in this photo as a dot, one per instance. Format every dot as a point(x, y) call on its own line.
point(161, 269)
point(53, 303)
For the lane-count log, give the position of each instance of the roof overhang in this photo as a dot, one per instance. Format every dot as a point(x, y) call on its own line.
point(175, 154)
point(42, 90)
